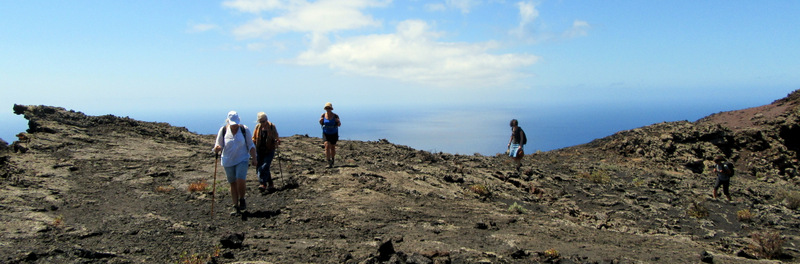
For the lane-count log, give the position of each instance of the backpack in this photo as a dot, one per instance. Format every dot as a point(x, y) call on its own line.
point(269, 137)
point(241, 131)
point(524, 138)
point(728, 169)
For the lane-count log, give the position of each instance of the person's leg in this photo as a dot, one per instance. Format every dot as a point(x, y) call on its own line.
point(261, 166)
point(716, 187)
point(333, 153)
point(327, 151)
point(333, 139)
point(230, 172)
point(726, 189)
point(241, 177)
point(268, 174)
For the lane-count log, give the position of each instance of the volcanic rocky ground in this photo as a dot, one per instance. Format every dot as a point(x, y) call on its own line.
point(107, 189)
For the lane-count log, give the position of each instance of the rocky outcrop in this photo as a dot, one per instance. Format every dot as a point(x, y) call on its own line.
point(57, 120)
point(764, 146)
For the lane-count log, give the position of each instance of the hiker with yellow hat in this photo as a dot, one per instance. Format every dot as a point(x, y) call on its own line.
point(330, 132)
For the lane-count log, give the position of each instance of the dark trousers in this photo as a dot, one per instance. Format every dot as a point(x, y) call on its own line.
point(262, 168)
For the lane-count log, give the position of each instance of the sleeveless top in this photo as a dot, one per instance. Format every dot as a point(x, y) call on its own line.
point(329, 126)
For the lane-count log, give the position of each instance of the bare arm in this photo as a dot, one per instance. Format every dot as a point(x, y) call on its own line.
point(220, 141)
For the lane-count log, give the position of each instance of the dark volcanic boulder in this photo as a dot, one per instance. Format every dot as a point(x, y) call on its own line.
point(233, 240)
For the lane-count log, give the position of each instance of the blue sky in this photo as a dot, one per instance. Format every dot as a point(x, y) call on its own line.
point(130, 57)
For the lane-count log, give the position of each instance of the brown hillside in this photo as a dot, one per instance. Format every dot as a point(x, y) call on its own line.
point(106, 189)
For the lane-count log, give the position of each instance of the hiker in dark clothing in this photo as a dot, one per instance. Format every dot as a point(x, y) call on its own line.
point(266, 139)
point(724, 171)
point(233, 141)
point(518, 139)
point(330, 132)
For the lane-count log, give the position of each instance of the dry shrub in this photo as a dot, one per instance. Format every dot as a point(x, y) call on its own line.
point(58, 221)
point(185, 258)
point(164, 189)
point(597, 176)
point(744, 215)
point(481, 190)
point(767, 244)
point(697, 210)
point(198, 186)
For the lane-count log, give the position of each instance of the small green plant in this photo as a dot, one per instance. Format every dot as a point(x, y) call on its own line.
point(552, 253)
point(481, 190)
point(516, 208)
point(767, 244)
point(744, 215)
point(697, 210)
point(597, 176)
point(638, 182)
point(223, 187)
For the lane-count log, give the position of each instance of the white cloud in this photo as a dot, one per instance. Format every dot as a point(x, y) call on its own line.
point(254, 6)
point(435, 7)
point(579, 29)
point(527, 15)
point(464, 5)
point(202, 27)
point(256, 46)
point(300, 16)
point(414, 54)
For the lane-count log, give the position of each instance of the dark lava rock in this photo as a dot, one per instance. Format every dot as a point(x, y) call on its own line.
point(233, 240)
point(706, 257)
point(386, 250)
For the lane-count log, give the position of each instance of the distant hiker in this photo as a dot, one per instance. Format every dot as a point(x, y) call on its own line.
point(266, 140)
point(724, 171)
point(330, 132)
point(518, 139)
point(233, 140)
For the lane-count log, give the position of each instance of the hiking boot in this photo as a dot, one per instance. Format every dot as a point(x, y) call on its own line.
point(242, 204)
point(330, 164)
point(262, 187)
point(235, 211)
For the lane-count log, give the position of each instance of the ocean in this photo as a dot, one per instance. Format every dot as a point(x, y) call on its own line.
point(457, 130)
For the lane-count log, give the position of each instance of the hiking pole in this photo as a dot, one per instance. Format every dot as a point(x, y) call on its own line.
point(214, 188)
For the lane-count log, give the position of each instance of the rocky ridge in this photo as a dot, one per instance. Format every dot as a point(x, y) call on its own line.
point(106, 189)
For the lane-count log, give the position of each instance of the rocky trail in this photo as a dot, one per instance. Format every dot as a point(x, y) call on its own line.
point(107, 189)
